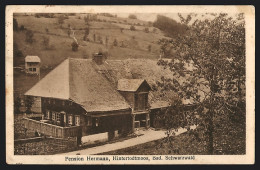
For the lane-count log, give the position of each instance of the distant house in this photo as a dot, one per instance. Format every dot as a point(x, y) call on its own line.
point(82, 97)
point(32, 64)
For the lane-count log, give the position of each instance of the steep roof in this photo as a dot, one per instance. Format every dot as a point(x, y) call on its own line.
point(53, 85)
point(129, 84)
point(30, 58)
point(79, 81)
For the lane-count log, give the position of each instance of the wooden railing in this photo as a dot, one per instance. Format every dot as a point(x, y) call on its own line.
point(52, 130)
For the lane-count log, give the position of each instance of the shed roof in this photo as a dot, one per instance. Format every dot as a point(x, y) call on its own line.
point(79, 81)
point(30, 58)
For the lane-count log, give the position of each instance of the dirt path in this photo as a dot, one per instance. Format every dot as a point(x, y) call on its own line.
point(148, 135)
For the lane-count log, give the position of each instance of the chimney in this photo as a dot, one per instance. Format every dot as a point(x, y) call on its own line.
point(98, 58)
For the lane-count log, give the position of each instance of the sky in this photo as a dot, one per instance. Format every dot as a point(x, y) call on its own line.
point(151, 16)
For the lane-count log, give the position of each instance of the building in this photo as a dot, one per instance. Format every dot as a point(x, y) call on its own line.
point(77, 100)
point(32, 64)
point(84, 97)
point(135, 91)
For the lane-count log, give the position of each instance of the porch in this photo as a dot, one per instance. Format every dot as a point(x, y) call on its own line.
point(52, 130)
point(141, 119)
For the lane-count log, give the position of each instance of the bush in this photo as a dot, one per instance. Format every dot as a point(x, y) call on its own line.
point(29, 37)
point(115, 42)
point(74, 46)
point(46, 42)
point(132, 16)
point(17, 52)
point(17, 105)
point(22, 28)
point(146, 30)
point(132, 28)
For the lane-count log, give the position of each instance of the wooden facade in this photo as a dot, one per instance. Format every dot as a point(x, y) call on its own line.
point(63, 117)
point(138, 101)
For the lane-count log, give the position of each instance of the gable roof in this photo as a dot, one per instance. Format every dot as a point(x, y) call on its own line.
point(30, 58)
point(79, 81)
point(131, 85)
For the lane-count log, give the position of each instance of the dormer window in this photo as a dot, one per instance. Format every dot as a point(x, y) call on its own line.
point(135, 92)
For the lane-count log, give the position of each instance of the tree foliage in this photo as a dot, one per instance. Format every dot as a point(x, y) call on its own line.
point(209, 69)
point(46, 42)
point(29, 36)
point(28, 104)
point(61, 19)
point(171, 27)
point(132, 16)
point(17, 105)
point(74, 46)
point(132, 28)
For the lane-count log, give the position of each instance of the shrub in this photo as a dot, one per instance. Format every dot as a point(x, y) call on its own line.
point(17, 105)
point(46, 42)
point(22, 28)
point(132, 28)
point(29, 36)
point(17, 51)
point(74, 46)
point(61, 20)
point(146, 30)
point(115, 42)
point(132, 16)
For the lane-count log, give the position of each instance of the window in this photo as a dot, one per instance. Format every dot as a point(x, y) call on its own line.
point(34, 69)
point(58, 116)
point(30, 69)
point(77, 120)
point(48, 114)
point(89, 121)
point(97, 122)
point(53, 116)
point(70, 119)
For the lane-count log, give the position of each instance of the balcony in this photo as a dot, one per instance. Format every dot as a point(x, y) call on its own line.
point(52, 130)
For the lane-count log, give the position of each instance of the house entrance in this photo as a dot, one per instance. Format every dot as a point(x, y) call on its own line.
point(142, 120)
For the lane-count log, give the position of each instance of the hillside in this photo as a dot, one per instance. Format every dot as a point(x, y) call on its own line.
point(130, 44)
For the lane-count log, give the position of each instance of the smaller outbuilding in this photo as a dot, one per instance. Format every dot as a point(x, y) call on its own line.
point(32, 64)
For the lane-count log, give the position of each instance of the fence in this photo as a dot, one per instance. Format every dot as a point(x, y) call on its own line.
point(52, 130)
point(44, 146)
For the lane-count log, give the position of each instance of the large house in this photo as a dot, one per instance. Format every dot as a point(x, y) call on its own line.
point(82, 97)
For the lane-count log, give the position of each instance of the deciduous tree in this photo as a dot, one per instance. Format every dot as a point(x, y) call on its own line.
point(209, 69)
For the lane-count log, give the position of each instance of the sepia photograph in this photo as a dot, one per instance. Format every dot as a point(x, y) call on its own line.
point(130, 84)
